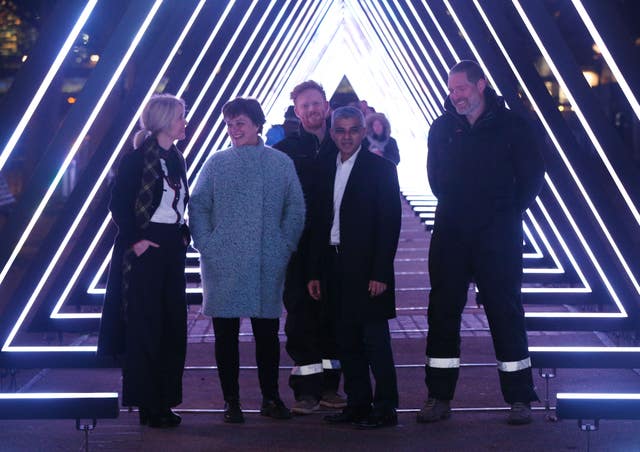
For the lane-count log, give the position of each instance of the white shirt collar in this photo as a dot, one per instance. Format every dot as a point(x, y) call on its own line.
point(351, 160)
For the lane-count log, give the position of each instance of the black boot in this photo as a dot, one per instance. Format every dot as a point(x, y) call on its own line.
point(275, 408)
point(164, 419)
point(233, 412)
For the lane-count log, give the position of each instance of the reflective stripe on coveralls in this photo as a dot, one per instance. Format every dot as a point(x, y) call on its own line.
point(443, 363)
point(514, 366)
point(331, 364)
point(309, 369)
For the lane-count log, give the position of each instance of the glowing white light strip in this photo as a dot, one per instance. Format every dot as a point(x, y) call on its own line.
point(281, 43)
point(93, 286)
point(579, 114)
point(597, 395)
point(258, 86)
point(532, 241)
point(545, 241)
point(407, 26)
point(526, 270)
point(293, 55)
point(78, 142)
point(58, 395)
point(604, 50)
point(357, 22)
point(586, 287)
point(585, 245)
point(136, 40)
point(569, 168)
point(101, 270)
point(360, 21)
point(443, 35)
point(205, 48)
point(575, 315)
point(218, 122)
point(209, 81)
point(401, 54)
point(405, 65)
point(76, 274)
point(430, 205)
point(426, 33)
point(532, 290)
point(270, 87)
point(101, 178)
point(195, 290)
point(362, 70)
point(589, 349)
point(471, 46)
point(48, 78)
point(55, 349)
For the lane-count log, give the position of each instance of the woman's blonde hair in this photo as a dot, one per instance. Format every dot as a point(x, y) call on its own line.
point(157, 115)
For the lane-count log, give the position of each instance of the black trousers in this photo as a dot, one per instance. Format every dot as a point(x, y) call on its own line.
point(364, 345)
point(156, 323)
point(310, 338)
point(265, 332)
point(493, 257)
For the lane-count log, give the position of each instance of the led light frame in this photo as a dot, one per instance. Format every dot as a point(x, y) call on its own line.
point(46, 82)
point(548, 179)
point(594, 141)
point(611, 62)
point(138, 36)
point(77, 143)
point(354, 51)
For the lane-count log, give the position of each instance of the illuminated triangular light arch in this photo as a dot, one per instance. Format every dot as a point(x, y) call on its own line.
point(338, 41)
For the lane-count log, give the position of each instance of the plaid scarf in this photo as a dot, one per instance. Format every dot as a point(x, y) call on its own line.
point(151, 173)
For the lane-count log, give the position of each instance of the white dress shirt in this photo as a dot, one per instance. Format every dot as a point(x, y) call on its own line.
point(343, 171)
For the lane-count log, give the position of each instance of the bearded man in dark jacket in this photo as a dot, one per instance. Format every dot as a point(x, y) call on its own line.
point(315, 376)
point(485, 169)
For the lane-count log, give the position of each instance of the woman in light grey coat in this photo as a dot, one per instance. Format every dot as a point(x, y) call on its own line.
point(246, 216)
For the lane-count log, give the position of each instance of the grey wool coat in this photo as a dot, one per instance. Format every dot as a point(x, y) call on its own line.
point(246, 215)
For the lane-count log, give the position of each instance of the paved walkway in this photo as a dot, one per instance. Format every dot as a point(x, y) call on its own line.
point(479, 411)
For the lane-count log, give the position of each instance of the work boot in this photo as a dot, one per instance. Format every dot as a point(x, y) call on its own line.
point(275, 409)
point(520, 414)
point(305, 405)
point(434, 410)
point(331, 399)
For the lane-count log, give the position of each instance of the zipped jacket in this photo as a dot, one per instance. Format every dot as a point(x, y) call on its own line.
point(480, 172)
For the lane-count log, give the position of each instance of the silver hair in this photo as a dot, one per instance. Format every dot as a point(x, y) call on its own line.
point(346, 113)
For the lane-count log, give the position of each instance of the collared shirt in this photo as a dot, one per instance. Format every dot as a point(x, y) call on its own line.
point(343, 171)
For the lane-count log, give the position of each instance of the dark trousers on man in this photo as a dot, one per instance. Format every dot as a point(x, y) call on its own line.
point(493, 257)
point(310, 338)
point(156, 323)
point(265, 333)
point(364, 345)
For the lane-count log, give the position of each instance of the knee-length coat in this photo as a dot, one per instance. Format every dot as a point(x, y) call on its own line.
point(246, 215)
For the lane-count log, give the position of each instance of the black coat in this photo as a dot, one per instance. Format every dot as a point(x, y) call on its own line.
point(122, 206)
point(370, 216)
point(479, 173)
point(307, 153)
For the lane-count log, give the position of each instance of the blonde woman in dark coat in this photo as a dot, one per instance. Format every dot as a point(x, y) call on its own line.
point(144, 315)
